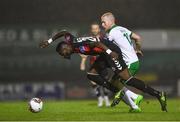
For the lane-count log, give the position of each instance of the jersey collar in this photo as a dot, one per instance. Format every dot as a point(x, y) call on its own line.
point(111, 28)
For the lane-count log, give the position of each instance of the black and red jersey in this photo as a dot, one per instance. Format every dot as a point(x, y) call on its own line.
point(87, 49)
point(84, 46)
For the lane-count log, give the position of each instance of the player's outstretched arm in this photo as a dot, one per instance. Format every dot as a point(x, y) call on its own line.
point(95, 42)
point(46, 43)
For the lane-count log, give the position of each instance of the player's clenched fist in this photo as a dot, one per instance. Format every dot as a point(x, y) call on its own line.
point(44, 44)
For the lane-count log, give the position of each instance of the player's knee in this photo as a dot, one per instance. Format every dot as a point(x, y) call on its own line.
point(93, 84)
point(92, 71)
point(91, 76)
point(94, 77)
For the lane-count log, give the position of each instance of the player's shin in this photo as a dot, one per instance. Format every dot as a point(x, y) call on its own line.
point(161, 96)
point(127, 99)
point(101, 81)
point(130, 93)
point(134, 82)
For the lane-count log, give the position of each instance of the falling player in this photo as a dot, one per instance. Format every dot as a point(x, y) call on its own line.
point(66, 49)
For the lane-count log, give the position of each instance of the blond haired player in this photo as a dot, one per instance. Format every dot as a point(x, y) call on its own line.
point(123, 37)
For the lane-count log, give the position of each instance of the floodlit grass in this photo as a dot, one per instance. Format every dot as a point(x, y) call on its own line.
point(87, 110)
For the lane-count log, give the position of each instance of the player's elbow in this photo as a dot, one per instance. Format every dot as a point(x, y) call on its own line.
point(136, 37)
point(139, 38)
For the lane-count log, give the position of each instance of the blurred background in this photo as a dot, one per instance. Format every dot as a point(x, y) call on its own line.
point(27, 71)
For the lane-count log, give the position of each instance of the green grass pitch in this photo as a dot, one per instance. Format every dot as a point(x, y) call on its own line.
point(87, 110)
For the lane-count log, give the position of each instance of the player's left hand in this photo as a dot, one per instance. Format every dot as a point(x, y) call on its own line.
point(114, 55)
point(83, 62)
point(43, 44)
point(139, 53)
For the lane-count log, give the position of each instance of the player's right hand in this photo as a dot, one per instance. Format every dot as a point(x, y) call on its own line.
point(43, 44)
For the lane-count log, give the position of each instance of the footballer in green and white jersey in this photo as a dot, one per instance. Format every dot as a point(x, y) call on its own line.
point(122, 38)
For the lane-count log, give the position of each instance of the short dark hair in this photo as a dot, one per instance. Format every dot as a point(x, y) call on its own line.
point(59, 45)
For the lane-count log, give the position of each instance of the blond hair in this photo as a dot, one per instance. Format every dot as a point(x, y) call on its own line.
point(109, 15)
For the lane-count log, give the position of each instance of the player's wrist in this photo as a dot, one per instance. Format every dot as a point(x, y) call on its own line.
point(50, 40)
point(108, 51)
point(138, 49)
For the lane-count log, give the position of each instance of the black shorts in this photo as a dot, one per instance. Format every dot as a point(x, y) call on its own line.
point(105, 61)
